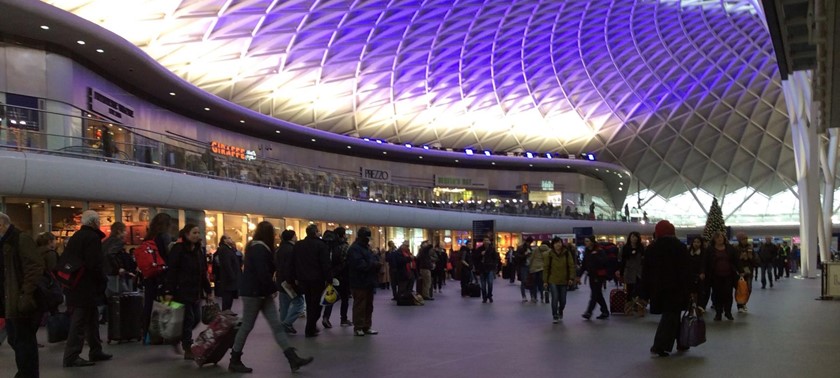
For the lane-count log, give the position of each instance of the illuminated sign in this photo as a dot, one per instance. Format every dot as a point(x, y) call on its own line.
point(232, 151)
point(104, 104)
point(459, 182)
point(547, 185)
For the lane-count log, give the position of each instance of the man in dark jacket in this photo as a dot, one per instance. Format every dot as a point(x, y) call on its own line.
point(229, 272)
point(668, 282)
point(85, 247)
point(425, 264)
point(313, 271)
point(290, 306)
point(20, 268)
point(486, 269)
point(339, 253)
point(363, 270)
point(768, 253)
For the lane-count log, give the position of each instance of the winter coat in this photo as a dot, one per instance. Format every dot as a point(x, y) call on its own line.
point(594, 264)
point(768, 253)
point(86, 245)
point(537, 263)
point(186, 277)
point(230, 272)
point(667, 279)
point(22, 267)
point(312, 260)
point(284, 264)
point(340, 255)
point(697, 264)
point(631, 262)
point(406, 266)
point(747, 260)
point(730, 262)
point(488, 258)
point(111, 248)
point(560, 267)
point(424, 258)
point(258, 278)
point(363, 267)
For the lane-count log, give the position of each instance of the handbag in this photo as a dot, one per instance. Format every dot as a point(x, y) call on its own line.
point(210, 311)
point(48, 293)
point(329, 296)
point(170, 319)
point(742, 292)
point(58, 327)
point(692, 329)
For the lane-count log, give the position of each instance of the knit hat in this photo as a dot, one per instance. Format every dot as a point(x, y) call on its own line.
point(664, 228)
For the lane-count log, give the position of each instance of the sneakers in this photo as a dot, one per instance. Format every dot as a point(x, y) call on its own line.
point(359, 332)
point(371, 332)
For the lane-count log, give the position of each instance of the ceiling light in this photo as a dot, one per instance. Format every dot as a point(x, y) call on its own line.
point(456, 160)
point(408, 145)
point(379, 141)
point(425, 147)
point(241, 121)
point(548, 155)
point(487, 153)
point(100, 51)
point(494, 163)
point(529, 155)
point(207, 109)
point(80, 42)
point(171, 93)
point(313, 139)
point(277, 131)
point(348, 147)
point(420, 157)
point(384, 152)
point(620, 189)
point(45, 27)
point(469, 151)
point(530, 165)
point(367, 139)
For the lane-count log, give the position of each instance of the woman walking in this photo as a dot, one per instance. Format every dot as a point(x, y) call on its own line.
point(258, 291)
point(721, 266)
point(595, 265)
point(697, 269)
point(630, 267)
point(186, 279)
point(560, 273)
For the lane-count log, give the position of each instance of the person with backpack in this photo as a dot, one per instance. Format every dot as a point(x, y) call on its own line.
point(338, 254)
point(595, 266)
point(84, 249)
point(258, 291)
point(227, 272)
point(20, 268)
point(186, 280)
point(559, 274)
point(152, 265)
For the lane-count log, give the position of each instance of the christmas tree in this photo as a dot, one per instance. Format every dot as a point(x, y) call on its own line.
point(714, 222)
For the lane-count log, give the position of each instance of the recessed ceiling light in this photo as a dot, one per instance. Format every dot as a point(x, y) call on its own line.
point(207, 109)
point(530, 165)
point(45, 27)
point(420, 157)
point(241, 121)
point(277, 131)
point(171, 93)
point(494, 163)
point(348, 147)
point(384, 152)
point(313, 139)
point(80, 42)
point(100, 51)
point(456, 160)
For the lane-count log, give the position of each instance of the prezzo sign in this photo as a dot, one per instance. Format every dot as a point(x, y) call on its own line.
point(232, 151)
point(105, 105)
point(459, 182)
point(375, 174)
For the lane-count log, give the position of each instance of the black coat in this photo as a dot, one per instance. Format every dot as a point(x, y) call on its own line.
point(363, 267)
point(284, 264)
point(666, 273)
point(186, 276)
point(258, 278)
point(228, 276)
point(594, 264)
point(312, 260)
point(424, 258)
point(86, 245)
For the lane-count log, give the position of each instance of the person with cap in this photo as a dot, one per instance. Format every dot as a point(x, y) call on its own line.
point(363, 268)
point(667, 280)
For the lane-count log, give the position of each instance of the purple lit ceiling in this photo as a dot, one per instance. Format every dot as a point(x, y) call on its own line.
point(684, 94)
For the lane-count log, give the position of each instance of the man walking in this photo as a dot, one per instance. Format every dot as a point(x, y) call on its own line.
point(85, 248)
point(313, 272)
point(768, 254)
point(668, 281)
point(20, 268)
point(487, 269)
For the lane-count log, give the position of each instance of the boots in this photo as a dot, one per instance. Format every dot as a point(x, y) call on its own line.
point(236, 364)
point(295, 361)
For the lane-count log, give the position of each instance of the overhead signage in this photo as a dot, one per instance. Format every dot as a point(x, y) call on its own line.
point(459, 182)
point(483, 229)
point(375, 174)
point(232, 151)
point(104, 104)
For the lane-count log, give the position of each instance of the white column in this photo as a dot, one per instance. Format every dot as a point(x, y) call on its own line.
point(828, 160)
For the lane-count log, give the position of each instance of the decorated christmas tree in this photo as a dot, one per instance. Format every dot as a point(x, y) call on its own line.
point(714, 222)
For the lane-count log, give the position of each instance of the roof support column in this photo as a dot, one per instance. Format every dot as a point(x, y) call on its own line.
point(797, 90)
point(828, 160)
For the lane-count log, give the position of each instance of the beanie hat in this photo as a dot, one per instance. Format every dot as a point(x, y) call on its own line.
point(664, 228)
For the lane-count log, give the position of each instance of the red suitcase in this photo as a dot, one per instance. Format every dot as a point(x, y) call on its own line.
point(213, 343)
point(618, 298)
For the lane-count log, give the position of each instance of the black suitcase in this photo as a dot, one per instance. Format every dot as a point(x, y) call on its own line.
point(125, 317)
point(473, 290)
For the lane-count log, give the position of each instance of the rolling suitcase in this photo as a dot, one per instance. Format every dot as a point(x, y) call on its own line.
point(125, 317)
point(473, 290)
point(213, 343)
point(618, 298)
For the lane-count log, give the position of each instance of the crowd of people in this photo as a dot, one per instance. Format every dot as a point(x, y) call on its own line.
point(290, 281)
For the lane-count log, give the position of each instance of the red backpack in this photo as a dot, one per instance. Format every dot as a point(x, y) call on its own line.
point(148, 259)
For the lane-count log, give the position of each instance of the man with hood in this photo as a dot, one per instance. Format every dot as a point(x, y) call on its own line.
point(668, 281)
point(363, 267)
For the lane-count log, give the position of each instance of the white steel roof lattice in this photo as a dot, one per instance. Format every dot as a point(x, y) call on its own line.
point(683, 93)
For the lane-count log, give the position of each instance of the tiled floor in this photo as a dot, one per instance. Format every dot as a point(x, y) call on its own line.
point(786, 334)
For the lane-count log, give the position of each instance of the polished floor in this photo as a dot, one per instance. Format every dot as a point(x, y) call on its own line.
point(787, 333)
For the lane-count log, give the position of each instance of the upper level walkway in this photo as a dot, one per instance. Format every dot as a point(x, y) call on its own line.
point(785, 334)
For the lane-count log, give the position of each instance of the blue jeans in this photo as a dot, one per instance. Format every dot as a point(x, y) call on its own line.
point(253, 306)
point(290, 309)
point(558, 299)
point(487, 284)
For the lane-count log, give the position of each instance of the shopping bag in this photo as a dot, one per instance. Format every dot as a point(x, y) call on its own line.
point(329, 296)
point(209, 312)
point(170, 319)
point(742, 292)
point(692, 329)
